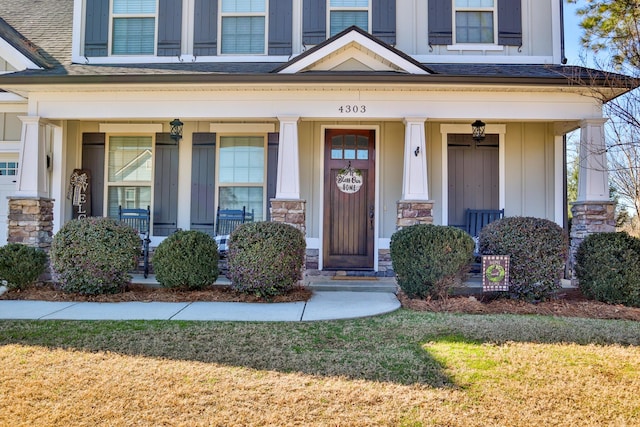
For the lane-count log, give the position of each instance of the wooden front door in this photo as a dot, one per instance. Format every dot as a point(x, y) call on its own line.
point(349, 199)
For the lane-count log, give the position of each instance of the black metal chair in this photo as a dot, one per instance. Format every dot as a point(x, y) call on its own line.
point(477, 219)
point(139, 220)
point(228, 220)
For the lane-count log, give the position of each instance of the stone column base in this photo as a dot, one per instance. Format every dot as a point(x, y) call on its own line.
point(292, 212)
point(31, 223)
point(589, 218)
point(412, 212)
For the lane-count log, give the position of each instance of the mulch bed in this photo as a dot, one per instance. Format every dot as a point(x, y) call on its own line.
point(569, 303)
point(142, 293)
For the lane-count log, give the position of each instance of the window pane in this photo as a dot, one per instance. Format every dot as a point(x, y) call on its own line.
point(133, 36)
point(349, 3)
point(134, 6)
point(344, 19)
point(127, 197)
point(243, 35)
point(237, 197)
point(242, 6)
point(474, 27)
point(130, 158)
point(474, 3)
point(242, 160)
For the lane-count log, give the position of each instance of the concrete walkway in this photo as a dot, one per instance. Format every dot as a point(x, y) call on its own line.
point(323, 305)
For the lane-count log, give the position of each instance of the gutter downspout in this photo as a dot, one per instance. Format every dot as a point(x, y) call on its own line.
point(562, 49)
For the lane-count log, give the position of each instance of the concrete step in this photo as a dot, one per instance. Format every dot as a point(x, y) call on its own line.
point(372, 284)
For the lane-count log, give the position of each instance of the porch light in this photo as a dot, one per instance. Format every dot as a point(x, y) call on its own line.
point(176, 129)
point(477, 128)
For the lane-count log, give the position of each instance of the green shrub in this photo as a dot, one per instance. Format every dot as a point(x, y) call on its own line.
point(186, 260)
point(93, 255)
point(538, 250)
point(428, 258)
point(608, 268)
point(21, 265)
point(265, 258)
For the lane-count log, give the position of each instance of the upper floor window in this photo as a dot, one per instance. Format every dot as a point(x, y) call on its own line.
point(243, 26)
point(133, 27)
point(474, 20)
point(345, 13)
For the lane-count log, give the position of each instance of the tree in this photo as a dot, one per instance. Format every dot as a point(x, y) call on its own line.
point(614, 26)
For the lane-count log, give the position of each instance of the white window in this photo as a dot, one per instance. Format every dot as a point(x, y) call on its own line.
point(133, 27)
point(475, 21)
point(345, 13)
point(129, 173)
point(243, 27)
point(241, 176)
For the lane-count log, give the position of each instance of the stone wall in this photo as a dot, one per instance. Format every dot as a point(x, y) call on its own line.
point(589, 218)
point(411, 212)
point(31, 221)
point(292, 212)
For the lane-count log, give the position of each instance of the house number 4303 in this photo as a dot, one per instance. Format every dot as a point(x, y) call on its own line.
point(346, 109)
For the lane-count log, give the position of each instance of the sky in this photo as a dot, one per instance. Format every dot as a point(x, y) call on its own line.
point(572, 33)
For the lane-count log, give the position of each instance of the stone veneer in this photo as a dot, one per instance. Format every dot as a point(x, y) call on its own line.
point(412, 212)
point(589, 218)
point(31, 221)
point(292, 212)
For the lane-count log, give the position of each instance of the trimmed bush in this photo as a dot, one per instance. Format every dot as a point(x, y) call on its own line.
point(427, 259)
point(186, 260)
point(538, 249)
point(94, 255)
point(21, 265)
point(608, 268)
point(265, 258)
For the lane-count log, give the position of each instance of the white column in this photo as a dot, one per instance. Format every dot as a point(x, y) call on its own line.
point(32, 170)
point(593, 177)
point(288, 181)
point(415, 184)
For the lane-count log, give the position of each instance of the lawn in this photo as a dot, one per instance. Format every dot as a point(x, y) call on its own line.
point(402, 369)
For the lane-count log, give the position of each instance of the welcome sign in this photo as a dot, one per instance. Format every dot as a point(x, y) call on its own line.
point(349, 180)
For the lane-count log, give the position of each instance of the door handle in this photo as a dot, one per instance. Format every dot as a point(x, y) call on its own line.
point(371, 216)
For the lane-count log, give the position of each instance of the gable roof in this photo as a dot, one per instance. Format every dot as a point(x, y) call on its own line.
point(354, 48)
point(17, 50)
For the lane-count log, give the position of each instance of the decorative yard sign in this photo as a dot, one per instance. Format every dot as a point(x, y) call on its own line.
point(79, 193)
point(349, 180)
point(495, 273)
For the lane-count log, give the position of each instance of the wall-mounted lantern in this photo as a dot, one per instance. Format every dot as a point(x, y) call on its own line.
point(477, 129)
point(176, 129)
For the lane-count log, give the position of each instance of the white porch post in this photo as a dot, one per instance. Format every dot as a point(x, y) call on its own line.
point(593, 177)
point(32, 171)
point(288, 181)
point(593, 211)
point(415, 206)
point(287, 206)
point(415, 185)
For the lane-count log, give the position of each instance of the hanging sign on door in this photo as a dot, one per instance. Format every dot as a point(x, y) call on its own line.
point(349, 180)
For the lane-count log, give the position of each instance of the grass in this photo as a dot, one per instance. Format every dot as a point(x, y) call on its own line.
point(405, 368)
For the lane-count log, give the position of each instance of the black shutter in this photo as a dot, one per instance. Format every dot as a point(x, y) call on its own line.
point(205, 38)
point(440, 22)
point(273, 141)
point(203, 175)
point(96, 24)
point(384, 20)
point(280, 27)
point(314, 21)
point(165, 186)
point(509, 23)
point(93, 160)
point(169, 27)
